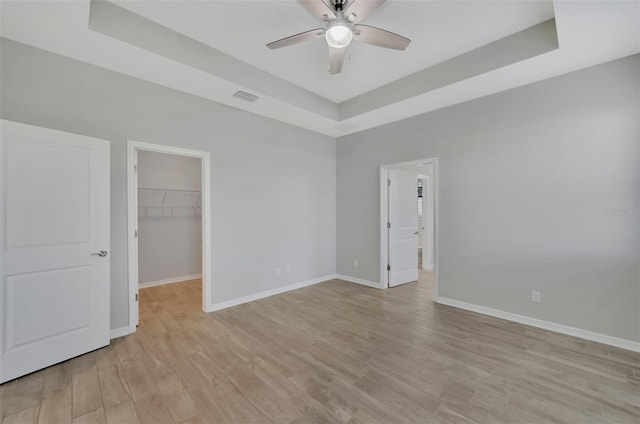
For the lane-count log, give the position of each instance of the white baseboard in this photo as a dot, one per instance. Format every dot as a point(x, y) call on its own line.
point(358, 281)
point(240, 300)
point(119, 332)
point(546, 325)
point(169, 281)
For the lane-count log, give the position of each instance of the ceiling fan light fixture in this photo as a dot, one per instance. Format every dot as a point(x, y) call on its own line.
point(343, 23)
point(338, 35)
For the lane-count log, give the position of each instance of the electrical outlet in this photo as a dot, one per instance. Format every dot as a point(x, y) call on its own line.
point(355, 263)
point(535, 296)
point(289, 270)
point(277, 272)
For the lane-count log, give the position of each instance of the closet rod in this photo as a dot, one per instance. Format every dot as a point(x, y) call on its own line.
point(169, 189)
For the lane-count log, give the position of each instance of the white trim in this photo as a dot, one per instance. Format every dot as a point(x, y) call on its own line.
point(384, 218)
point(169, 281)
point(546, 325)
point(132, 219)
point(132, 242)
point(267, 293)
point(120, 332)
point(384, 233)
point(359, 281)
point(429, 224)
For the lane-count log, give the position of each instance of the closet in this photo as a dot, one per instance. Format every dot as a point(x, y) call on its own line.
point(169, 218)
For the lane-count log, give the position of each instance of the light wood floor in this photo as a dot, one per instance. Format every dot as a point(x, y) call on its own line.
point(333, 352)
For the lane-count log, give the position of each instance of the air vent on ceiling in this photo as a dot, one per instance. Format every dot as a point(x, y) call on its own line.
point(245, 96)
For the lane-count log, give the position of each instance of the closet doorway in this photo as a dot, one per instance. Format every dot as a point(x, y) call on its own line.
point(169, 221)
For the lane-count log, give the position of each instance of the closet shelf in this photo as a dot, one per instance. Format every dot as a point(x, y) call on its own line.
point(169, 190)
point(167, 202)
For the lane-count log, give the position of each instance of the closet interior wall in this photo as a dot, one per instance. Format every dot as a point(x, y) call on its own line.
point(169, 218)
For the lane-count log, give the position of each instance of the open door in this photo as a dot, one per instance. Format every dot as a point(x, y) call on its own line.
point(403, 229)
point(54, 259)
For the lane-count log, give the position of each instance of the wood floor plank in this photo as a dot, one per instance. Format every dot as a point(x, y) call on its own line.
point(93, 417)
point(166, 380)
point(180, 405)
point(191, 375)
point(6, 390)
point(223, 403)
point(327, 399)
point(332, 352)
point(26, 392)
point(87, 395)
point(56, 377)
point(113, 385)
point(151, 410)
point(139, 379)
point(123, 413)
point(26, 416)
point(259, 394)
point(56, 406)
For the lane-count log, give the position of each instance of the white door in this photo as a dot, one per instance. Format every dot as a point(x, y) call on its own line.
point(54, 260)
point(403, 231)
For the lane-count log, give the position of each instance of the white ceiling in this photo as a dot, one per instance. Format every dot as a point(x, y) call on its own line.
point(589, 33)
point(439, 30)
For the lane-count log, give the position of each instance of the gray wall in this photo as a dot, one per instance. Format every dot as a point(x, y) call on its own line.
point(526, 178)
point(525, 181)
point(169, 216)
point(268, 178)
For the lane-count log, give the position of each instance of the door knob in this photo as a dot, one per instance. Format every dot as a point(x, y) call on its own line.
point(101, 253)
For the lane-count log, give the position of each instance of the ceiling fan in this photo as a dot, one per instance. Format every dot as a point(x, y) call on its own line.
point(343, 19)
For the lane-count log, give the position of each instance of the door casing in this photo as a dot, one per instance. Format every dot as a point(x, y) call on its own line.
point(427, 223)
point(132, 221)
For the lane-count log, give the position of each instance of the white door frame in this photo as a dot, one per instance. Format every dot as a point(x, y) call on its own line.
point(384, 218)
point(132, 221)
point(427, 242)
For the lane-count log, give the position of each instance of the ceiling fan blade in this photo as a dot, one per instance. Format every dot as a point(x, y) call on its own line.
point(379, 37)
point(319, 9)
point(357, 10)
point(298, 38)
point(336, 59)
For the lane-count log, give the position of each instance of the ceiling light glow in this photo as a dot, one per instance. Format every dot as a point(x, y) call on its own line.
point(338, 35)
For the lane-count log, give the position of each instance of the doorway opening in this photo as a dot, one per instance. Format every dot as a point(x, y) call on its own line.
point(169, 226)
point(409, 223)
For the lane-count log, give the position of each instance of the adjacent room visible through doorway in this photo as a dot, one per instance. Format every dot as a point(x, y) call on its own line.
point(169, 232)
point(408, 224)
point(167, 218)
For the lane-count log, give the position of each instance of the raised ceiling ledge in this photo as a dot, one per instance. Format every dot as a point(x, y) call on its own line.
point(589, 33)
point(126, 26)
point(121, 24)
point(533, 41)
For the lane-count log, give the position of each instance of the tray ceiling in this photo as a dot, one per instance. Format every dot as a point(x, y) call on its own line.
point(460, 50)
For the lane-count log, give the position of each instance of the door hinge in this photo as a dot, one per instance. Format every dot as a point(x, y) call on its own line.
point(388, 225)
point(135, 233)
point(135, 169)
point(388, 183)
point(136, 297)
point(388, 267)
